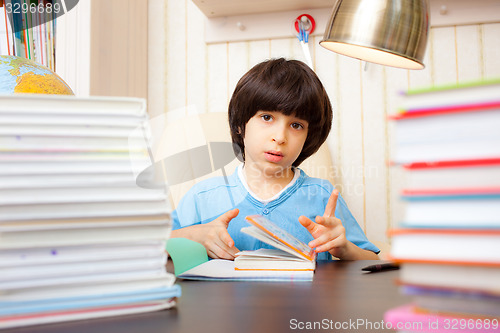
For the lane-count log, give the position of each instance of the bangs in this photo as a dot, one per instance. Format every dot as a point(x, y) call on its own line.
point(288, 91)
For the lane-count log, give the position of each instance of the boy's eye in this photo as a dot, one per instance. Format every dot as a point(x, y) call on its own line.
point(266, 117)
point(297, 126)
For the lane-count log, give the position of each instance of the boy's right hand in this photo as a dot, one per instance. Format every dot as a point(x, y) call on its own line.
point(217, 240)
point(213, 236)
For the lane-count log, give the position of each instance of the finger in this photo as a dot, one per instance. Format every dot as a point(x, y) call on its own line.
point(322, 239)
point(226, 238)
point(217, 254)
point(336, 243)
point(221, 252)
point(227, 243)
point(331, 204)
point(328, 222)
point(212, 255)
point(328, 246)
point(307, 223)
point(228, 216)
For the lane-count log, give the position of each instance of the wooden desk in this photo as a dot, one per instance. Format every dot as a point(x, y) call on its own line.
point(341, 294)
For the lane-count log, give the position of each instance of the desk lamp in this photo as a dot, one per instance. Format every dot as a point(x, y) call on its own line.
point(386, 32)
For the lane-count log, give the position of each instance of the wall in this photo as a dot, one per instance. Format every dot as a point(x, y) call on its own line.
point(102, 48)
point(200, 78)
point(73, 48)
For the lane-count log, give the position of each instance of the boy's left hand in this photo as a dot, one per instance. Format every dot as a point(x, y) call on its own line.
point(328, 231)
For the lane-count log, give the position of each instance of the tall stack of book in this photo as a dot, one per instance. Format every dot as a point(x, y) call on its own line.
point(79, 238)
point(448, 244)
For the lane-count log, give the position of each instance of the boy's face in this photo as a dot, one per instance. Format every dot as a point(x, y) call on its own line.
point(273, 141)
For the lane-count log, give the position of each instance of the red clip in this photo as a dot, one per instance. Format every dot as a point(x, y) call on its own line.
point(310, 18)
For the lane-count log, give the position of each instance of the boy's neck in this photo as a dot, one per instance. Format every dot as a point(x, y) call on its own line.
point(267, 185)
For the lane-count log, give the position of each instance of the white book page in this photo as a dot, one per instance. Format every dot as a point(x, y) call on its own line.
point(267, 254)
point(264, 237)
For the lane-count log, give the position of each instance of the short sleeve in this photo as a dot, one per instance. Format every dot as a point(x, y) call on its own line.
point(354, 233)
point(186, 213)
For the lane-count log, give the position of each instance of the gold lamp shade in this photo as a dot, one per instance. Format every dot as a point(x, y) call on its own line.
point(386, 32)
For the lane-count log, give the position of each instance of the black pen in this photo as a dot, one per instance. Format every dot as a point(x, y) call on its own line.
point(381, 267)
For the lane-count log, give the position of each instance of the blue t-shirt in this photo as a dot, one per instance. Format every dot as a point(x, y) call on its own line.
point(307, 196)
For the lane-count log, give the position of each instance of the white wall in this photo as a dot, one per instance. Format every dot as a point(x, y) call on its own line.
point(201, 77)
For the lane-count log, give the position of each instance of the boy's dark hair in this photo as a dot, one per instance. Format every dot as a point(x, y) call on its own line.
point(288, 86)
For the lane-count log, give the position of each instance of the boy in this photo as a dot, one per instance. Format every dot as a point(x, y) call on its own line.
point(279, 115)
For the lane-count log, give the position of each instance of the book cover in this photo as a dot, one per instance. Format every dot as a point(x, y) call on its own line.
point(453, 208)
point(80, 314)
point(33, 256)
point(481, 278)
point(78, 287)
point(45, 211)
point(476, 92)
point(82, 268)
point(446, 246)
point(406, 319)
point(462, 302)
point(451, 175)
point(84, 235)
point(86, 302)
point(445, 135)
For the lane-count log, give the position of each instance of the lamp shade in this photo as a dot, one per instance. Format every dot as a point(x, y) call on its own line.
point(386, 32)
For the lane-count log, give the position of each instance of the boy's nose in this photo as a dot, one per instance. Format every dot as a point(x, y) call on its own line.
point(280, 136)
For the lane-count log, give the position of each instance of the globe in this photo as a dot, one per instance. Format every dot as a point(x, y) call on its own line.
point(20, 75)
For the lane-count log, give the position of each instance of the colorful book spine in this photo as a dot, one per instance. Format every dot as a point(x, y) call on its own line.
point(31, 29)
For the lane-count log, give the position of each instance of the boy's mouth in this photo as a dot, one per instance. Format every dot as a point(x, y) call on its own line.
point(273, 156)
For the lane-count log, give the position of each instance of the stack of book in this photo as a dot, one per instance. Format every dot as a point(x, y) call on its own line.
point(79, 237)
point(448, 244)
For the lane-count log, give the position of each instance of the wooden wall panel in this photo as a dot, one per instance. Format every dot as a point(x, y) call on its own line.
point(119, 44)
point(444, 57)
point(490, 38)
point(73, 48)
point(176, 54)
point(217, 77)
point(350, 118)
point(237, 65)
point(375, 150)
point(196, 59)
point(469, 67)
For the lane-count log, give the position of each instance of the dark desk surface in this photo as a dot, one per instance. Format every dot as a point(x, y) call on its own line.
point(340, 293)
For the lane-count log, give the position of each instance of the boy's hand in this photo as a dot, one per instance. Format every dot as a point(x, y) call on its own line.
point(328, 231)
point(213, 236)
point(217, 240)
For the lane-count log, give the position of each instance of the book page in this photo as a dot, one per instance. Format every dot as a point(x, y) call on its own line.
point(281, 235)
point(266, 238)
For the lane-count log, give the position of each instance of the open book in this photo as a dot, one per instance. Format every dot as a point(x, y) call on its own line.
point(290, 252)
point(191, 262)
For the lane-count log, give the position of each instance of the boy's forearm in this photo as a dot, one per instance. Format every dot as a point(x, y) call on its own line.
point(187, 232)
point(354, 252)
